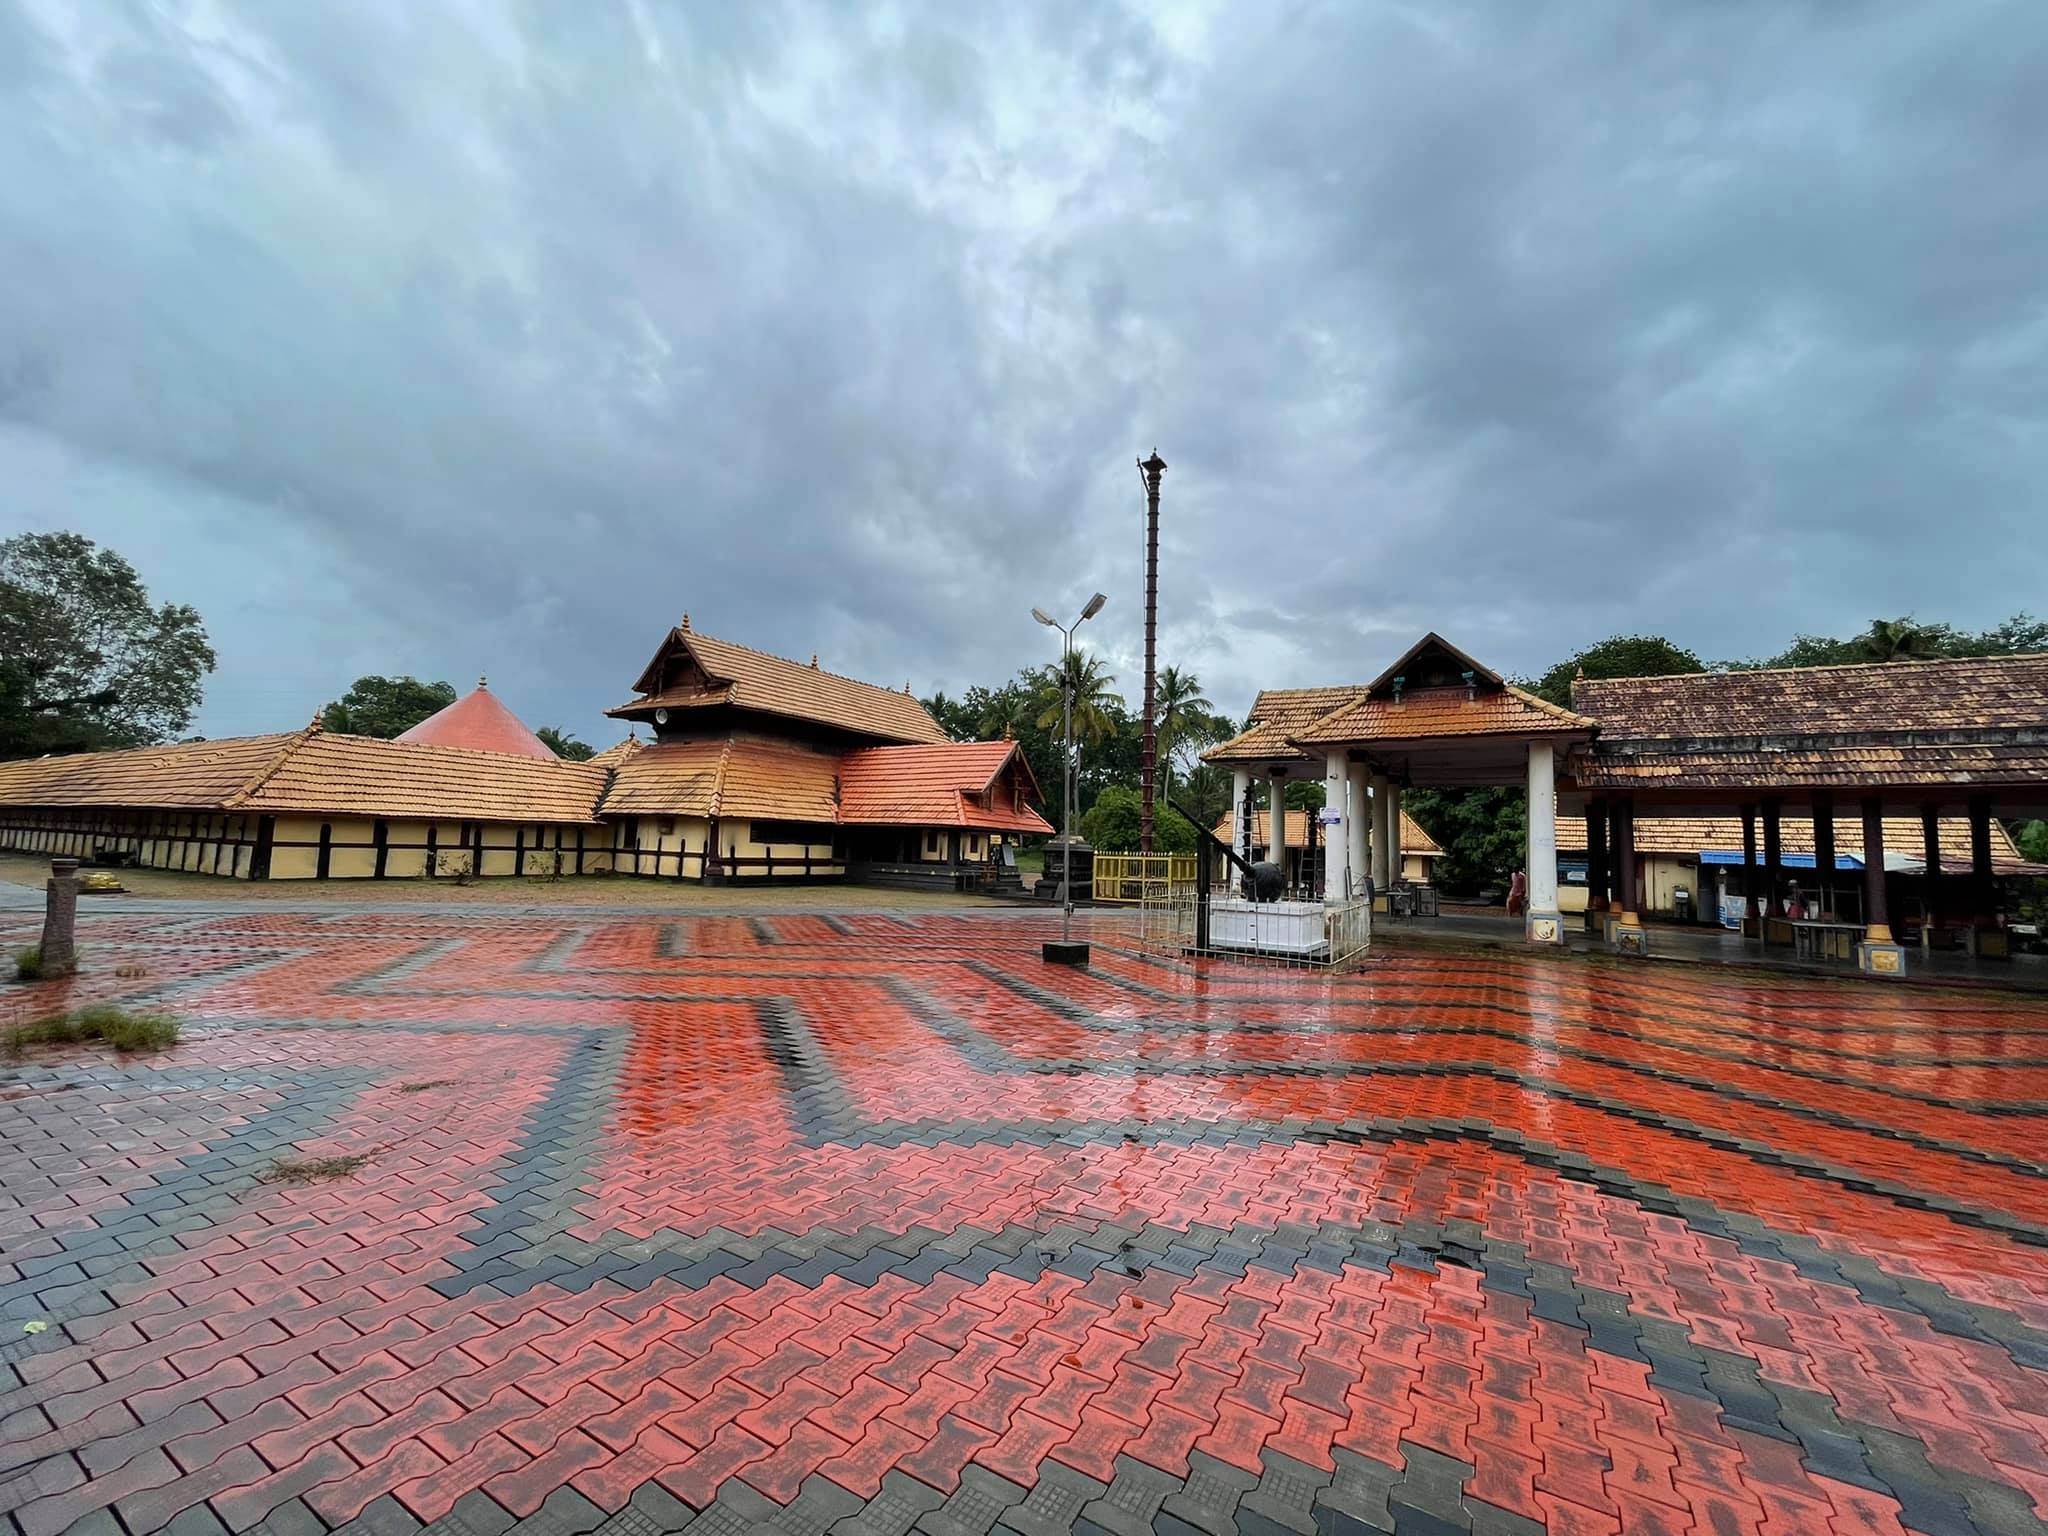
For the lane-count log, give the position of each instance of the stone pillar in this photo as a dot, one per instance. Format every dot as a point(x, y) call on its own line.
point(1393, 831)
point(1240, 812)
point(1596, 864)
point(1336, 835)
point(1774, 873)
point(1878, 953)
point(1824, 851)
point(1357, 826)
point(60, 919)
point(1542, 924)
point(1380, 791)
point(1276, 823)
point(1930, 879)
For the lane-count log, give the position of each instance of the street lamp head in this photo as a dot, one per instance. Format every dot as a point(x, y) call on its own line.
point(1094, 607)
point(1044, 618)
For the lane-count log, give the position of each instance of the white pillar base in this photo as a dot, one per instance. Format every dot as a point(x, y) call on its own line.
point(1543, 927)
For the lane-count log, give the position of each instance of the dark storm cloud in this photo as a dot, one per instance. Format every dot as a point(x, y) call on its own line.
point(490, 337)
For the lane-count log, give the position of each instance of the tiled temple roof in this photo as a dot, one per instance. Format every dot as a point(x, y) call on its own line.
point(746, 678)
point(479, 722)
point(959, 783)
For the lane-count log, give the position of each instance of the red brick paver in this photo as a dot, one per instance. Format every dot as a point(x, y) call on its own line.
point(819, 1212)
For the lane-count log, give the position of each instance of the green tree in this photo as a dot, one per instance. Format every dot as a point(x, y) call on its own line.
point(2020, 635)
point(565, 746)
point(1620, 656)
point(1113, 823)
point(1484, 833)
point(1181, 704)
point(1903, 640)
point(1096, 707)
point(85, 661)
point(2032, 840)
point(955, 718)
point(385, 706)
point(1004, 712)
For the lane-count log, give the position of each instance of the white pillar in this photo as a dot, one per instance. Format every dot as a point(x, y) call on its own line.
point(1379, 832)
point(1336, 834)
point(1358, 847)
point(1543, 925)
point(1240, 818)
point(1394, 870)
point(1276, 823)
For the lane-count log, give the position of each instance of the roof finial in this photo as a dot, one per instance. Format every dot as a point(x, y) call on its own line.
point(318, 722)
point(686, 621)
point(906, 685)
point(814, 661)
point(482, 681)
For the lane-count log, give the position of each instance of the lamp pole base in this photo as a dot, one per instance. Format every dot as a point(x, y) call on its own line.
point(1066, 952)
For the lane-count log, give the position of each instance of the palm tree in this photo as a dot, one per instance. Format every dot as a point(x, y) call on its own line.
point(1180, 704)
point(1899, 640)
point(1093, 700)
point(1005, 715)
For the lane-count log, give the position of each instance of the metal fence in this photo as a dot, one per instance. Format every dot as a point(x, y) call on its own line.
point(1130, 879)
point(1174, 923)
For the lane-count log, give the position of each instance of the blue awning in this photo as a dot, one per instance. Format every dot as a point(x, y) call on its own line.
point(1785, 860)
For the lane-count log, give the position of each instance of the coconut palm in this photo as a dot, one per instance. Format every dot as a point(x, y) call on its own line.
point(1180, 705)
point(1005, 714)
point(1093, 700)
point(1900, 640)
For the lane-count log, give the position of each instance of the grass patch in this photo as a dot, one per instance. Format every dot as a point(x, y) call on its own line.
point(439, 1082)
point(123, 1030)
point(28, 963)
point(313, 1170)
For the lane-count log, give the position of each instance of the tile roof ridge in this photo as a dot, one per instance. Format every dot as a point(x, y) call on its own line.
point(1544, 705)
point(718, 782)
point(810, 666)
point(1823, 666)
point(265, 774)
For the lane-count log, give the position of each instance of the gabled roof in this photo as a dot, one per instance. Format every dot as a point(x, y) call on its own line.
point(1276, 714)
point(612, 756)
point(1990, 694)
point(195, 775)
point(314, 773)
point(948, 784)
point(954, 784)
point(480, 723)
point(363, 776)
point(726, 776)
point(1433, 662)
point(745, 678)
point(1413, 839)
point(1421, 713)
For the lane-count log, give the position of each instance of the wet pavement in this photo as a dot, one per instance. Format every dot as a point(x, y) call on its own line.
point(860, 1223)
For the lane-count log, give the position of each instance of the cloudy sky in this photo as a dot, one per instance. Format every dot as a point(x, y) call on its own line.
point(469, 336)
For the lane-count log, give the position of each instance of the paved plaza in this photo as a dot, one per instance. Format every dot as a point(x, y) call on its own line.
point(859, 1223)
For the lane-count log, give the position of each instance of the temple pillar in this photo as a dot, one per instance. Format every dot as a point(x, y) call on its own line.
point(1394, 874)
point(1542, 923)
point(1749, 906)
point(1241, 812)
point(1357, 809)
point(1824, 851)
point(1774, 870)
point(1878, 954)
point(1596, 865)
point(1988, 941)
point(1276, 824)
point(1379, 833)
point(1336, 835)
point(1630, 937)
point(1930, 876)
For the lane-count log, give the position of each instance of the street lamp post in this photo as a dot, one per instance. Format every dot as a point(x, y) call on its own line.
point(1069, 953)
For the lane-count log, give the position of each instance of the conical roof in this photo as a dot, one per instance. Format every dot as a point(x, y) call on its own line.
point(478, 722)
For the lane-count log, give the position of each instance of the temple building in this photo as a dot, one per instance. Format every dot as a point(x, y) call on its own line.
point(1896, 748)
point(760, 768)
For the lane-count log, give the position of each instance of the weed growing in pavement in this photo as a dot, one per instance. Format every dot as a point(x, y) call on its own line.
point(120, 1028)
point(313, 1170)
